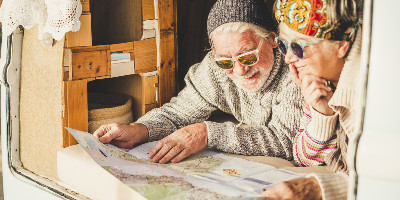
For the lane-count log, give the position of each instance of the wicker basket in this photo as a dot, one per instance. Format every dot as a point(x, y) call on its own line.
point(108, 108)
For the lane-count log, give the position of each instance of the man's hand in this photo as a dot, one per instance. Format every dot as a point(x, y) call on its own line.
point(296, 189)
point(180, 144)
point(122, 135)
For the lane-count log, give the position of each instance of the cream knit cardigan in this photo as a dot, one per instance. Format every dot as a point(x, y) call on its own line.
point(343, 102)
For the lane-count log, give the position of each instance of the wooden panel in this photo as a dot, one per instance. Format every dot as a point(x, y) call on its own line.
point(124, 47)
point(75, 109)
point(83, 37)
point(116, 21)
point(40, 104)
point(89, 62)
point(145, 55)
point(166, 14)
point(148, 9)
point(149, 89)
point(85, 7)
point(167, 50)
point(125, 22)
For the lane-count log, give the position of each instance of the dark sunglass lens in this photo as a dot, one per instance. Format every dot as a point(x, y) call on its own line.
point(249, 59)
point(297, 50)
point(281, 46)
point(225, 64)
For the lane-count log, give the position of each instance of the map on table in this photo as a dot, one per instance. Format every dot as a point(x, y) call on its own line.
point(205, 175)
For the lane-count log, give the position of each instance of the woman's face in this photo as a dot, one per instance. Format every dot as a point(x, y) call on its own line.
point(323, 59)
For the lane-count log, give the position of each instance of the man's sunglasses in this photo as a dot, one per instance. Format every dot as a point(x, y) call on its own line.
point(297, 48)
point(247, 59)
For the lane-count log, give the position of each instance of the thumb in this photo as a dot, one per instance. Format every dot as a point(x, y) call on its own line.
point(110, 135)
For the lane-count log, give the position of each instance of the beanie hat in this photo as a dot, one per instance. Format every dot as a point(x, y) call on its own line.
point(250, 11)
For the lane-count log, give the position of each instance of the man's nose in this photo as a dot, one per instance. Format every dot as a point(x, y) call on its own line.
point(290, 57)
point(239, 69)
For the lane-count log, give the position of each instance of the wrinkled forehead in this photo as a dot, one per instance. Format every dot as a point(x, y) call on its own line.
point(225, 43)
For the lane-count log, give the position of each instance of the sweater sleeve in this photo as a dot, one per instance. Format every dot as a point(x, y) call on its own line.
point(192, 105)
point(274, 138)
point(315, 139)
point(333, 186)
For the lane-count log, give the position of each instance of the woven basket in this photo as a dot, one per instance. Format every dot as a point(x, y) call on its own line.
point(108, 108)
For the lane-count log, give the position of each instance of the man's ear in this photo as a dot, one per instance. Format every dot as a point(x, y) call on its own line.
point(272, 40)
point(343, 48)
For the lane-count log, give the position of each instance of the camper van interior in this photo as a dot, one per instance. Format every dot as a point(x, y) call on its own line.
point(129, 57)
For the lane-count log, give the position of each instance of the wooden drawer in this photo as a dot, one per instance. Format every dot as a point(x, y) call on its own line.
point(95, 62)
point(87, 62)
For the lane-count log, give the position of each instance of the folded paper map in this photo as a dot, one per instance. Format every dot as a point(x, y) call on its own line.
point(205, 175)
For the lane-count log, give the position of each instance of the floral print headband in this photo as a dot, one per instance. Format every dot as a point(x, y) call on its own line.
point(309, 18)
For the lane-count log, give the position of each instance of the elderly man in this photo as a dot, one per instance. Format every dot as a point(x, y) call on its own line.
point(244, 75)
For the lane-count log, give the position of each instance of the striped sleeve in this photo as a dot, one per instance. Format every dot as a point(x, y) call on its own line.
point(309, 148)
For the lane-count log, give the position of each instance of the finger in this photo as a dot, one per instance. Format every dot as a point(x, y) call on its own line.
point(172, 153)
point(308, 79)
point(184, 153)
point(294, 74)
point(110, 135)
point(157, 148)
point(100, 131)
point(317, 94)
point(160, 154)
point(315, 85)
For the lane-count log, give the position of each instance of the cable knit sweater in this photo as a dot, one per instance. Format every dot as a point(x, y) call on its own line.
point(342, 123)
point(273, 113)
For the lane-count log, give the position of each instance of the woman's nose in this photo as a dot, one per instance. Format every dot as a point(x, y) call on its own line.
point(239, 69)
point(290, 57)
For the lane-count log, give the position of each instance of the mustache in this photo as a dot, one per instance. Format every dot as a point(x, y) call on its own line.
point(248, 74)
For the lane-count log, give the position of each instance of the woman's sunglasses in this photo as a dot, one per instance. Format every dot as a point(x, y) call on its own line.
point(247, 59)
point(297, 48)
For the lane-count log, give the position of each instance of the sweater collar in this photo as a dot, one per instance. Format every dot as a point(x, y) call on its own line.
point(349, 84)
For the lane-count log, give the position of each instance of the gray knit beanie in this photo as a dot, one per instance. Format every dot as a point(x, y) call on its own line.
point(250, 11)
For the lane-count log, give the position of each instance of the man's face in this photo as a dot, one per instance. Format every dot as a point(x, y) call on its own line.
point(232, 44)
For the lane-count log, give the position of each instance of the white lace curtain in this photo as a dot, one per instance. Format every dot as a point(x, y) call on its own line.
point(54, 17)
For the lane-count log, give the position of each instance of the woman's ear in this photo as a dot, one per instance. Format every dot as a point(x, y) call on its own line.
point(343, 48)
point(272, 40)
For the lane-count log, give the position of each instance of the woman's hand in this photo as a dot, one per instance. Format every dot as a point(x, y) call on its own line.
point(317, 94)
point(296, 189)
point(314, 89)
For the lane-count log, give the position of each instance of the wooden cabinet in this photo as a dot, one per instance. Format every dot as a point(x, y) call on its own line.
point(55, 80)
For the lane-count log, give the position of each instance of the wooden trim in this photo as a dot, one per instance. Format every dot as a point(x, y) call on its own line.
point(166, 10)
point(124, 47)
point(83, 37)
point(75, 109)
point(148, 9)
point(85, 7)
point(145, 55)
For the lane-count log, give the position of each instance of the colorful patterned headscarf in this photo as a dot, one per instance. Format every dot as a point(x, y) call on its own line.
point(309, 18)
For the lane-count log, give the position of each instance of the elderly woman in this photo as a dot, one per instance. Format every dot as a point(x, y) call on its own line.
point(321, 41)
